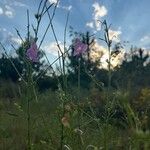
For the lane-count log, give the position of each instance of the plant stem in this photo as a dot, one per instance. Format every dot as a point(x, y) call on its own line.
point(107, 109)
point(62, 132)
point(28, 120)
point(80, 142)
point(51, 65)
point(43, 37)
point(108, 42)
point(79, 92)
point(29, 96)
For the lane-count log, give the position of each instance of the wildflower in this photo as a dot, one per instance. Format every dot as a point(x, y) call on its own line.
point(79, 47)
point(65, 121)
point(32, 53)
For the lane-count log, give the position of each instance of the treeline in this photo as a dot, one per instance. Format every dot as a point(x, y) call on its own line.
point(133, 73)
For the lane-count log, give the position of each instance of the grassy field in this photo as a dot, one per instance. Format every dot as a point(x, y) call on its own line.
point(92, 124)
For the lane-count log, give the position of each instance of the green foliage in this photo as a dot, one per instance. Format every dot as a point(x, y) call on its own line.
point(7, 71)
point(133, 72)
point(86, 65)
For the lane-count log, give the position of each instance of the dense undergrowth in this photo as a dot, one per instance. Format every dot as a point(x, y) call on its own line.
point(121, 123)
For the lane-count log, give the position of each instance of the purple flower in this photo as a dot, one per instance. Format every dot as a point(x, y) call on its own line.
point(32, 53)
point(79, 47)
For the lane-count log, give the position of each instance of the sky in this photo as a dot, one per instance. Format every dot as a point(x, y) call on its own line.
point(129, 21)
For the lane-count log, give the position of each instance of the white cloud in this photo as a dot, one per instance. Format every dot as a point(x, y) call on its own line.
point(59, 6)
point(1, 11)
point(7, 38)
point(9, 11)
point(16, 3)
point(144, 42)
point(5, 35)
point(66, 7)
point(16, 40)
point(53, 1)
point(19, 4)
point(98, 13)
point(115, 61)
point(99, 52)
point(115, 35)
point(90, 24)
point(70, 7)
point(8, 7)
point(9, 14)
point(52, 48)
point(145, 38)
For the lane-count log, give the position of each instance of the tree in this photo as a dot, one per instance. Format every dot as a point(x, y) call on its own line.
point(87, 66)
point(7, 71)
point(133, 71)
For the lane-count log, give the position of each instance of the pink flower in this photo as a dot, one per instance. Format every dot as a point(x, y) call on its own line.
point(32, 53)
point(79, 47)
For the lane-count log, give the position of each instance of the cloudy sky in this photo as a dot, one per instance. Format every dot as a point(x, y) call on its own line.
point(130, 20)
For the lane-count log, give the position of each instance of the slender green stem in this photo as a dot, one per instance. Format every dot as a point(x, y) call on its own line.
point(107, 109)
point(53, 72)
point(18, 33)
point(28, 26)
point(62, 57)
point(108, 42)
point(64, 76)
point(62, 130)
point(79, 93)
point(109, 84)
point(29, 88)
point(28, 120)
point(65, 30)
point(51, 64)
point(29, 97)
point(54, 33)
point(39, 18)
point(47, 8)
point(80, 142)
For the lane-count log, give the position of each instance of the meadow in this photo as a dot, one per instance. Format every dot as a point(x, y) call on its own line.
point(78, 104)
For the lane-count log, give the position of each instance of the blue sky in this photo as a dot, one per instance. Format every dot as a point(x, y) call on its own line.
point(129, 18)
